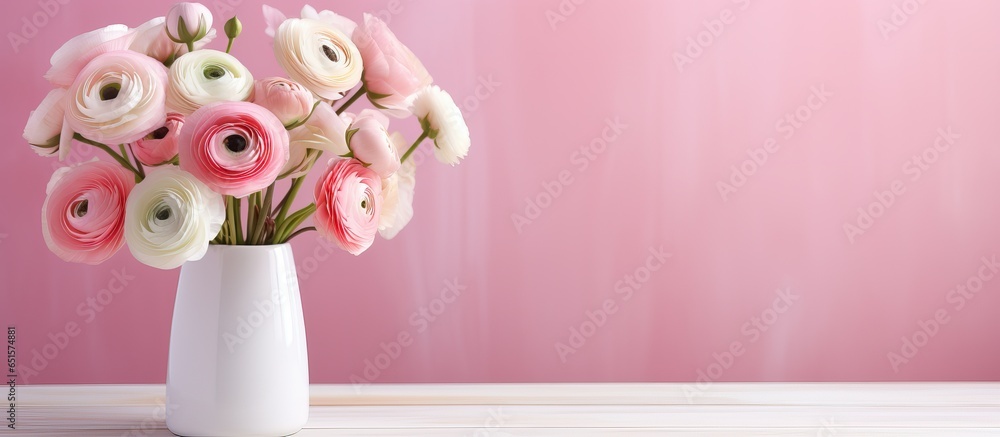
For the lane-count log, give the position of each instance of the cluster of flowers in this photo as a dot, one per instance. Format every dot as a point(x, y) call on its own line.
point(195, 137)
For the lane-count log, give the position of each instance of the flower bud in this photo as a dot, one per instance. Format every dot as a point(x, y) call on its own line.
point(233, 27)
point(188, 22)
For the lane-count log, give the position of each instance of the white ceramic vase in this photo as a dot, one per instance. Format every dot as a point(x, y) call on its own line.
point(238, 364)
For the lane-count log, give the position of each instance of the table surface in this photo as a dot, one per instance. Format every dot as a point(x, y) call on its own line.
point(718, 409)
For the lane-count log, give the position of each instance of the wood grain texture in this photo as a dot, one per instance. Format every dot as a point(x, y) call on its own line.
point(813, 409)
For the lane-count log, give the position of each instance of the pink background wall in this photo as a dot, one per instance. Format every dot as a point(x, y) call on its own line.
point(881, 100)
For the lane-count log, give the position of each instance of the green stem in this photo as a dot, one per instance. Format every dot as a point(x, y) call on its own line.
point(286, 203)
point(300, 231)
point(278, 207)
point(230, 220)
point(261, 215)
point(221, 238)
point(138, 165)
point(238, 209)
point(354, 98)
point(268, 198)
point(293, 222)
point(251, 216)
point(230, 45)
point(416, 143)
point(190, 45)
point(121, 160)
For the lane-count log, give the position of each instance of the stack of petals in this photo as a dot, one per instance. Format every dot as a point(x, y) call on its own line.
point(195, 145)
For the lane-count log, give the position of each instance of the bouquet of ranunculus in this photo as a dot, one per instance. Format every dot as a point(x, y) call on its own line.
point(198, 144)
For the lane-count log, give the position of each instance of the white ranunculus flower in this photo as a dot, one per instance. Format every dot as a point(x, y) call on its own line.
point(69, 59)
point(45, 124)
point(397, 194)
point(117, 98)
point(334, 19)
point(319, 56)
point(207, 76)
point(273, 18)
point(324, 130)
point(170, 218)
point(441, 118)
point(300, 161)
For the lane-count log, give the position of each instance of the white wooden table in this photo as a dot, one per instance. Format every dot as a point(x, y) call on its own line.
point(722, 409)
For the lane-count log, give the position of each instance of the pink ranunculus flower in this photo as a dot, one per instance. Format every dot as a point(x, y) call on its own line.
point(235, 148)
point(392, 74)
point(348, 205)
point(369, 142)
point(69, 60)
point(197, 21)
point(161, 145)
point(152, 40)
point(118, 98)
point(83, 218)
point(288, 100)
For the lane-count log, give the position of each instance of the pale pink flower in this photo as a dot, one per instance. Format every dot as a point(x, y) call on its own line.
point(118, 98)
point(288, 100)
point(369, 142)
point(83, 217)
point(161, 145)
point(235, 148)
point(348, 205)
point(392, 74)
point(45, 123)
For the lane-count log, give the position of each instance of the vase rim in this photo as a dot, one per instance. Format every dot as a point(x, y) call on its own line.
point(249, 246)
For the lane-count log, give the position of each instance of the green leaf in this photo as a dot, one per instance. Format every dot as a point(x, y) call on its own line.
point(425, 124)
point(376, 96)
point(350, 134)
point(304, 120)
point(182, 31)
